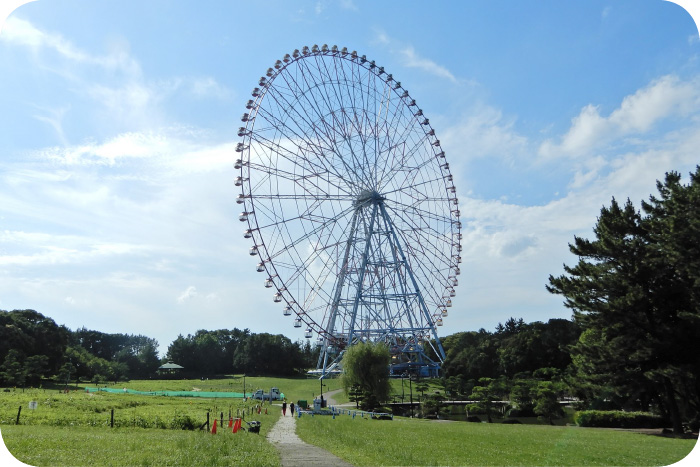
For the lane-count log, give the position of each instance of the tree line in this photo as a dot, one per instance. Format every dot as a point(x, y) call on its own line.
point(33, 347)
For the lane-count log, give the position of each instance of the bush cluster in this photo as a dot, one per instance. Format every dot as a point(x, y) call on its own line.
point(619, 419)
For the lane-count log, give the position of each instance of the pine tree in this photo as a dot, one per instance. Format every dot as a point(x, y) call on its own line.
point(634, 291)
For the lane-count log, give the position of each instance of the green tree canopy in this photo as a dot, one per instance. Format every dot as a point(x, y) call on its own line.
point(635, 292)
point(366, 367)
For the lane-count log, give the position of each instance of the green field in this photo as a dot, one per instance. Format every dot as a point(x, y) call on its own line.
point(402, 441)
point(73, 429)
point(79, 446)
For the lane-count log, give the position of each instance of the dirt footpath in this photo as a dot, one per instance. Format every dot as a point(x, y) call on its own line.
point(295, 452)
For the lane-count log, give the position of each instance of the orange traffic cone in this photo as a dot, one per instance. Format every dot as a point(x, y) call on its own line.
point(230, 422)
point(213, 428)
point(237, 425)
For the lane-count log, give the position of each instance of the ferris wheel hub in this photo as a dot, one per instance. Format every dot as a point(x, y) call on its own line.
point(369, 197)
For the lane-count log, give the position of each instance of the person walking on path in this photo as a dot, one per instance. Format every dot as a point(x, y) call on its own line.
point(291, 408)
point(296, 453)
point(284, 408)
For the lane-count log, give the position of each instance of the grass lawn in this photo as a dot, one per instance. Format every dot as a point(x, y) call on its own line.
point(423, 442)
point(74, 429)
point(293, 388)
point(81, 446)
point(79, 408)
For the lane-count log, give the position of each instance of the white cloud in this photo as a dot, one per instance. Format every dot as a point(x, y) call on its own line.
point(411, 59)
point(518, 246)
point(638, 113)
point(212, 298)
point(40, 249)
point(667, 96)
point(113, 80)
point(587, 171)
point(187, 294)
point(482, 133)
point(209, 87)
point(54, 118)
point(24, 33)
point(348, 5)
point(176, 149)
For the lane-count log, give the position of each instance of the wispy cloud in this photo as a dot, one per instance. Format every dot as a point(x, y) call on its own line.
point(348, 5)
point(54, 118)
point(123, 98)
point(487, 132)
point(24, 33)
point(410, 58)
point(209, 87)
point(187, 294)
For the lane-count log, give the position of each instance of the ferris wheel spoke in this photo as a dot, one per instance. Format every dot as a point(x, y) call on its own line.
point(329, 129)
point(335, 126)
point(311, 145)
point(285, 107)
point(315, 232)
point(402, 165)
point(313, 197)
point(423, 235)
point(438, 178)
point(417, 211)
point(348, 123)
point(393, 137)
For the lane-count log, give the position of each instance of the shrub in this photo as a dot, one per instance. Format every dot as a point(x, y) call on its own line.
point(618, 419)
point(184, 422)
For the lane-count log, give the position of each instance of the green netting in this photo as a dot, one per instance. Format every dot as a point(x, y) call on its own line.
point(238, 395)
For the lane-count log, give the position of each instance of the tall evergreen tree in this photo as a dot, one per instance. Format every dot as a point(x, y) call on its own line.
point(629, 293)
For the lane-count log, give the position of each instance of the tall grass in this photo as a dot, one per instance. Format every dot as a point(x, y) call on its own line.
point(79, 446)
point(75, 428)
point(78, 408)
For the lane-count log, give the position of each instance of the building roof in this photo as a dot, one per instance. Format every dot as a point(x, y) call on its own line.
point(170, 366)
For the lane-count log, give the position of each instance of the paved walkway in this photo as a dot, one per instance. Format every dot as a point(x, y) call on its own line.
point(329, 396)
point(297, 453)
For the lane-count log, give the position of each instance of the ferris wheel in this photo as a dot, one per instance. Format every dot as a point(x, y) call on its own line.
point(350, 206)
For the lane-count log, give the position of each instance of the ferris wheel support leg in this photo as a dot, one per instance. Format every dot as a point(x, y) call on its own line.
point(423, 306)
point(363, 268)
point(323, 357)
point(402, 281)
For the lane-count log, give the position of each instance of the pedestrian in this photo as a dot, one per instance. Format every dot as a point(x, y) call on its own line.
point(284, 408)
point(291, 409)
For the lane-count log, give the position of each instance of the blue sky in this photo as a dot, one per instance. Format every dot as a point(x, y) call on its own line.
point(119, 119)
